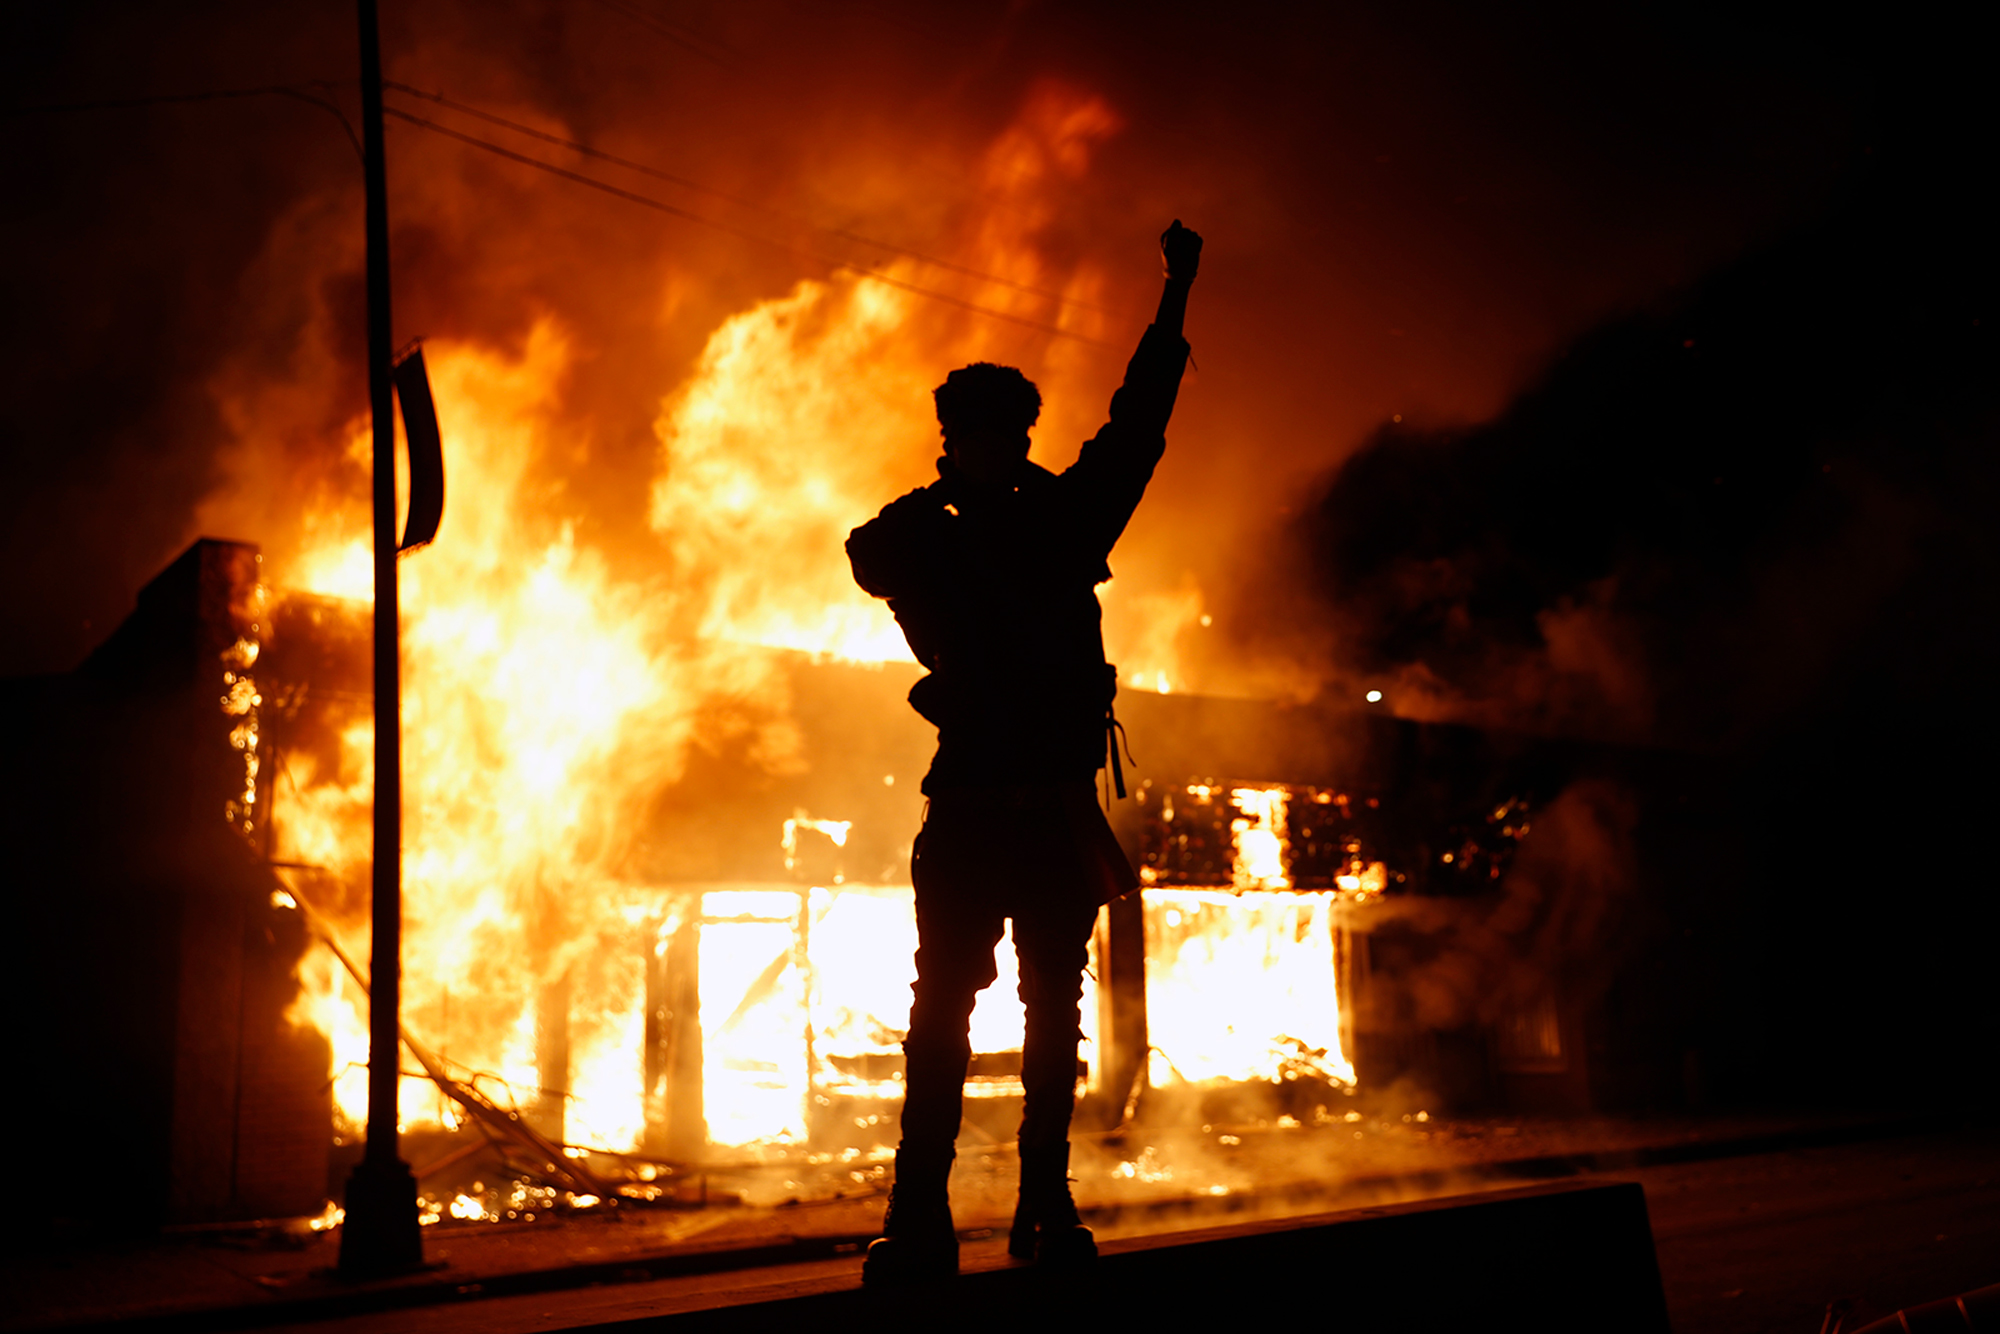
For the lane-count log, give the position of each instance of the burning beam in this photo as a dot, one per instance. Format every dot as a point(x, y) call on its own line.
point(556, 1166)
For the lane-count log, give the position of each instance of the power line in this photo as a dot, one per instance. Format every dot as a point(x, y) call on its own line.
point(685, 38)
point(647, 201)
point(297, 92)
point(685, 183)
point(338, 115)
point(212, 95)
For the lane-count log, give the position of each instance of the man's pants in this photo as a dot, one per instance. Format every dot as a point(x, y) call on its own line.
point(954, 964)
point(1043, 856)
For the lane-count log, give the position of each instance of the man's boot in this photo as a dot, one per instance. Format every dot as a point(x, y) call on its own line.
point(1046, 1227)
point(917, 1241)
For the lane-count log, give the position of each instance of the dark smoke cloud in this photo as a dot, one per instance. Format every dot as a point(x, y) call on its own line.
point(1708, 519)
point(1409, 206)
point(1560, 923)
point(1752, 519)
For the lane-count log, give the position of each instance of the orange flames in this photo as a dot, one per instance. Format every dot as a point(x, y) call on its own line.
point(543, 705)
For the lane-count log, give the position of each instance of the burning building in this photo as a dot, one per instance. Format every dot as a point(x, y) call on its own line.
point(722, 969)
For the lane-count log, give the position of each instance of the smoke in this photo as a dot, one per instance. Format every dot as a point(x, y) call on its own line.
point(1404, 210)
point(1702, 518)
point(1751, 519)
point(1559, 921)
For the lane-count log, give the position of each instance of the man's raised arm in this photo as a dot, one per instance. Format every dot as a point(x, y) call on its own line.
point(1180, 249)
point(1118, 462)
point(1142, 405)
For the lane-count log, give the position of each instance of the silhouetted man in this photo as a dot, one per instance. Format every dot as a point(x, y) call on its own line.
point(992, 573)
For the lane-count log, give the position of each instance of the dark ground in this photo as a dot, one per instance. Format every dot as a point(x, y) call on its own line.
point(1759, 1224)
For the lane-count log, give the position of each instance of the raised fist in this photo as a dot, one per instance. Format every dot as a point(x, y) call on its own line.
point(1181, 249)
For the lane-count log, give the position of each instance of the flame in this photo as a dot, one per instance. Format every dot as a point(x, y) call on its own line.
point(1143, 632)
point(750, 485)
point(1241, 986)
point(836, 832)
point(240, 700)
point(755, 1066)
point(853, 995)
point(1242, 983)
point(1364, 878)
point(1259, 837)
point(550, 694)
point(542, 704)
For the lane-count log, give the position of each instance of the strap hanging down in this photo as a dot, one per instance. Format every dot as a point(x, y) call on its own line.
point(1115, 732)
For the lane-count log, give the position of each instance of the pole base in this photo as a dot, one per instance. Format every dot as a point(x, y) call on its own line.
point(381, 1236)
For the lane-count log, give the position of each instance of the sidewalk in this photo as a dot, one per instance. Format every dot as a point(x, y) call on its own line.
point(1153, 1182)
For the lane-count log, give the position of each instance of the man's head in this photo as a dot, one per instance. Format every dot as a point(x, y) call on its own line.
point(985, 412)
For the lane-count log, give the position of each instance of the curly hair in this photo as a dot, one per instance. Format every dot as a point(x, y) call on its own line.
point(986, 399)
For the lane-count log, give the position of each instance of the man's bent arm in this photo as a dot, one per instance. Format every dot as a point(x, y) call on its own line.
point(896, 553)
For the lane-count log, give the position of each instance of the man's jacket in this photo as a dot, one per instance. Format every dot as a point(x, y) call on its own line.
point(997, 593)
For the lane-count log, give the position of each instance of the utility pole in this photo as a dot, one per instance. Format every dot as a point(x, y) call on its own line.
point(381, 1233)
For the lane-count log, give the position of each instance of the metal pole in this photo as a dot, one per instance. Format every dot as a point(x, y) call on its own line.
point(381, 1233)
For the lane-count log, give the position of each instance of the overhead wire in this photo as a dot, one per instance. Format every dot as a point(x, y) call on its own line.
point(660, 205)
point(158, 99)
point(298, 92)
point(644, 169)
point(685, 38)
